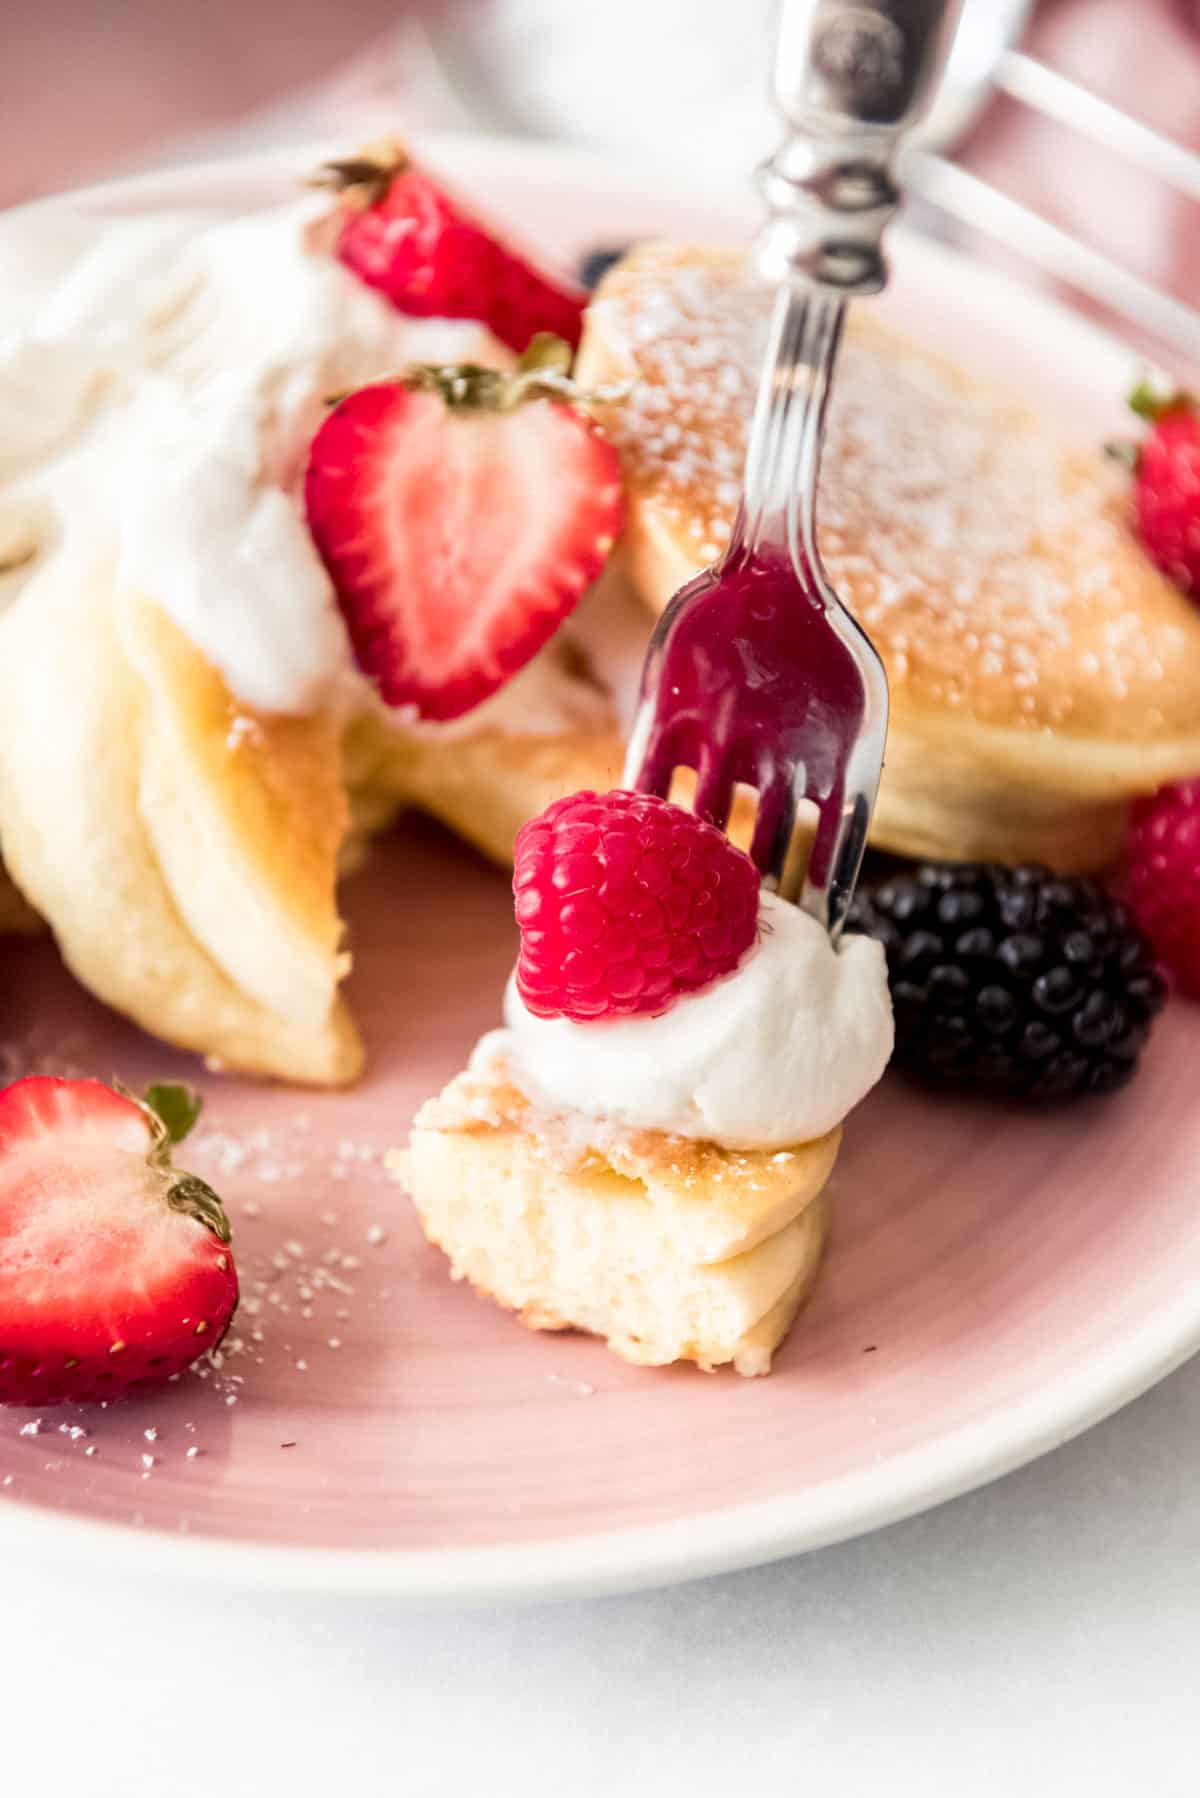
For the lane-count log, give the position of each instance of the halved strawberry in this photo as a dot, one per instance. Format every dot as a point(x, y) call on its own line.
point(115, 1271)
point(461, 514)
point(403, 234)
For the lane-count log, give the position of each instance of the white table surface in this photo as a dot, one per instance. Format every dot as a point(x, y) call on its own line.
point(1038, 1637)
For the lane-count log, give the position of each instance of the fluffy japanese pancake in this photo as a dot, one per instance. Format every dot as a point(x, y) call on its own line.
point(182, 849)
point(1042, 671)
point(185, 849)
point(671, 1250)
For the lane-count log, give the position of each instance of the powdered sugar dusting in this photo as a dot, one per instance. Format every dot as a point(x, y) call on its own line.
point(995, 571)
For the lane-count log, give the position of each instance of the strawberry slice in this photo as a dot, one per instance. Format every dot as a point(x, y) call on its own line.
point(115, 1271)
point(1166, 470)
point(403, 234)
point(461, 513)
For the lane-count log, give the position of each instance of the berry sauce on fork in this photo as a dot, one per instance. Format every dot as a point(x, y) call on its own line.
point(753, 647)
point(757, 675)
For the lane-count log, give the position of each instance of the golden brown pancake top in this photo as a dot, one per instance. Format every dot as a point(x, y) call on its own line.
point(490, 1099)
point(995, 570)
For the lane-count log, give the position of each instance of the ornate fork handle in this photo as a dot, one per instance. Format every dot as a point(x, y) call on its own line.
point(851, 77)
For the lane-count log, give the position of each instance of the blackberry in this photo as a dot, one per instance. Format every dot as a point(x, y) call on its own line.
point(1013, 981)
point(596, 263)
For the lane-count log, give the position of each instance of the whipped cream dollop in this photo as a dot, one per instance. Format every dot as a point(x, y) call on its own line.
point(161, 378)
point(776, 1053)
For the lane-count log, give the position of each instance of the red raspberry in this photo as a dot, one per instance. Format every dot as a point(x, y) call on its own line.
point(1164, 878)
point(1168, 494)
point(625, 903)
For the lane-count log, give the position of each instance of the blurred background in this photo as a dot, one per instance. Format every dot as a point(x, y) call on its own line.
point(99, 87)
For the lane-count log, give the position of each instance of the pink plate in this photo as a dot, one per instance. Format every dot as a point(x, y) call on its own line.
point(997, 1281)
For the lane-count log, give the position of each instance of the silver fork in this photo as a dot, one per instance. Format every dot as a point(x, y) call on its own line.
point(756, 674)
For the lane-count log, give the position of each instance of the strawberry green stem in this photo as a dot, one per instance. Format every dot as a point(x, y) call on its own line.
point(543, 373)
point(364, 179)
point(195, 1198)
point(1152, 402)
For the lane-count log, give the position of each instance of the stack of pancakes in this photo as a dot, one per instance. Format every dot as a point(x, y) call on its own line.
point(670, 1250)
point(1042, 671)
point(185, 852)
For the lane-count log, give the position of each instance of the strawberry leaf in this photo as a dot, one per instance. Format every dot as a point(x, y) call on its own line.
point(177, 1108)
point(195, 1198)
point(542, 373)
point(545, 353)
point(363, 179)
point(1152, 401)
point(1127, 454)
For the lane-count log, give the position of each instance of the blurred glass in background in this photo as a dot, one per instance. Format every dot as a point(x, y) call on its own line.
point(673, 83)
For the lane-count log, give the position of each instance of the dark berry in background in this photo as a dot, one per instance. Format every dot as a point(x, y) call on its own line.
point(1012, 981)
point(596, 264)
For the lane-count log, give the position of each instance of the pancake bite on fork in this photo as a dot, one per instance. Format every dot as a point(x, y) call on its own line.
point(642, 1153)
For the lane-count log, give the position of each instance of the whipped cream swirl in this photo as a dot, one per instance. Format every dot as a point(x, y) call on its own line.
point(161, 378)
point(774, 1054)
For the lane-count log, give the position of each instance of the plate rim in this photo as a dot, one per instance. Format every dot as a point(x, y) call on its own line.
point(690, 1546)
point(725, 1540)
